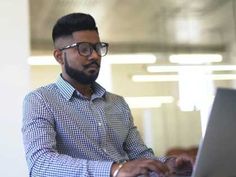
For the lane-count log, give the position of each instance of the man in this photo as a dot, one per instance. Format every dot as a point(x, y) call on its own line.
point(74, 127)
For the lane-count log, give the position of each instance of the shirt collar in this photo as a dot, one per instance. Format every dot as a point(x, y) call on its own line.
point(67, 90)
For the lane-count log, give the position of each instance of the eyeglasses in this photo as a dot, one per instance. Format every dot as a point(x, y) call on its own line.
point(86, 49)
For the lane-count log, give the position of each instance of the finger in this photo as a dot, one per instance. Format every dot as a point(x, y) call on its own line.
point(181, 160)
point(135, 168)
point(157, 166)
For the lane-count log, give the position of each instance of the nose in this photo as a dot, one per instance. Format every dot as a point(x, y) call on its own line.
point(94, 56)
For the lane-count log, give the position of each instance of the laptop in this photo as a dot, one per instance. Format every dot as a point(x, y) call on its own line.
point(217, 152)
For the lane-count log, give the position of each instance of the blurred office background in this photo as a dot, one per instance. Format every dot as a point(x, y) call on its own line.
point(166, 57)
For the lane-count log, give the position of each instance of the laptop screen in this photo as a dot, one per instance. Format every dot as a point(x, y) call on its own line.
point(217, 152)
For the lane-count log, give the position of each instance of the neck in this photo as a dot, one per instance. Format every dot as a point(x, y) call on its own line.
point(85, 90)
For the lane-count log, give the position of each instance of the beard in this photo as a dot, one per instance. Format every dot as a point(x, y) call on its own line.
point(80, 76)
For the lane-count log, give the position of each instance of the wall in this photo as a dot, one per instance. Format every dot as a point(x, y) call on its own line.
point(14, 36)
point(166, 126)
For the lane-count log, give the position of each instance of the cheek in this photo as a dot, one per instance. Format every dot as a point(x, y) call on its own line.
point(76, 64)
point(75, 61)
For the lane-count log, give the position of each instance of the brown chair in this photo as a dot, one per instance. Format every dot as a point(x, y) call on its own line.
point(175, 151)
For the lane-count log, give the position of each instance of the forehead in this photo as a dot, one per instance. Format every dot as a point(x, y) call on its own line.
point(86, 36)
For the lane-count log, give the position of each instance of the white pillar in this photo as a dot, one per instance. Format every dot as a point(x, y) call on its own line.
point(147, 127)
point(14, 47)
point(105, 75)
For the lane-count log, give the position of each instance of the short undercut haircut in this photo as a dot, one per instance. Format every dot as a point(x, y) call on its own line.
point(73, 22)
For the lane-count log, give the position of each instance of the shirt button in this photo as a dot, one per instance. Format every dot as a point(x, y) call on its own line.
point(104, 149)
point(99, 124)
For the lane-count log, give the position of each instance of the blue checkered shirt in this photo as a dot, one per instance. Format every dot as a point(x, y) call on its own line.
point(68, 135)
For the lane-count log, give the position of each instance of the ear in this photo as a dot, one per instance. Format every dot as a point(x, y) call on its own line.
point(58, 55)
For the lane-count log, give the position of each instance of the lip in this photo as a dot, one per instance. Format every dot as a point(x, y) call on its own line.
point(93, 66)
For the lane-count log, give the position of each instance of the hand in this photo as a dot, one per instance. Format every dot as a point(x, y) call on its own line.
point(138, 167)
point(180, 165)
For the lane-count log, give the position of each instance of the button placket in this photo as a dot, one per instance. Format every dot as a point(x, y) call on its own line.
point(100, 124)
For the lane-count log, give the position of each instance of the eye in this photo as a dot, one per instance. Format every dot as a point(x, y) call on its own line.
point(84, 48)
point(101, 49)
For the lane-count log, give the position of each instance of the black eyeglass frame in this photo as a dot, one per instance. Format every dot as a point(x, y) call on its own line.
point(92, 47)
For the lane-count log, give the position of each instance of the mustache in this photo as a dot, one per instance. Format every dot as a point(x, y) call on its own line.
point(92, 63)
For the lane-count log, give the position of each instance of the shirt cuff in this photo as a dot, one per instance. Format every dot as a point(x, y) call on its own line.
point(100, 168)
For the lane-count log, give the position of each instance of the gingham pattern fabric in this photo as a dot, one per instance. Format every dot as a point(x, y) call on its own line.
point(68, 135)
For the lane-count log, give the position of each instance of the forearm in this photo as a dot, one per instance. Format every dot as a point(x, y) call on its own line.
point(58, 165)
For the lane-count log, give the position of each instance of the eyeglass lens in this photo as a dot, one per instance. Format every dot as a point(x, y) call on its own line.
point(86, 49)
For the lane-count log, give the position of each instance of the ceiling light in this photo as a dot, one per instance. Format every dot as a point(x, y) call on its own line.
point(139, 58)
point(148, 102)
point(154, 78)
point(172, 78)
point(187, 29)
point(160, 69)
point(195, 58)
point(42, 60)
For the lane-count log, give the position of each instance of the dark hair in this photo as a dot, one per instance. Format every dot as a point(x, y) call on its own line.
point(70, 23)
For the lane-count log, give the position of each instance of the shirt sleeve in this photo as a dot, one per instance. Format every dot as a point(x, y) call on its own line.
point(134, 144)
point(39, 137)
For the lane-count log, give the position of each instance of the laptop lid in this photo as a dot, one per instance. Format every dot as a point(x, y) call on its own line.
point(217, 152)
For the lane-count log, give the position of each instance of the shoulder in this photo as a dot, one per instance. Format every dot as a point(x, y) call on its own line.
point(117, 100)
point(114, 96)
point(41, 92)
